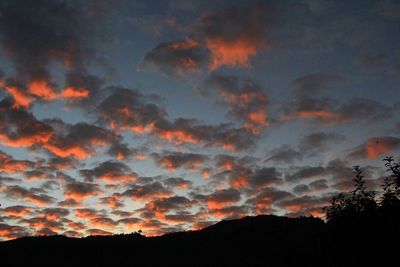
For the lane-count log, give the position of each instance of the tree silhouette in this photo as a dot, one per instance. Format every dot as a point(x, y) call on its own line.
point(357, 201)
point(391, 185)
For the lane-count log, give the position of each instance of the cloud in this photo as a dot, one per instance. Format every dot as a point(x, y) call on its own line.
point(110, 172)
point(103, 222)
point(33, 195)
point(262, 202)
point(114, 201)
point(56, 163)
point(160, 207)
point(364, 109)
point(375, 147)
point(53, 214)
point(306, 172)
point(79, 191)
point(253, 178)
point(311, 84)
point(264, 177)
point(35, 35)
point(176, 182)
point(19, 128)
point(129, 110)
point(87, 213)
point(10, 165)
point(316, 109)
point(317, 142)
point(78, 140)
point(131, 223)
point(17, 211)
point(174, 160)
point(147, 191)
point(245, 100)
point(329, 111)
point(41, 223)
point(300, 205)
point(81, 88)
point(177, 57)
point(191, 131)
point(122, 151)
point(12, 231)
point(230, 37)
point(284, 154)
point(230, 212)
point(235, 35)
point(222, 198)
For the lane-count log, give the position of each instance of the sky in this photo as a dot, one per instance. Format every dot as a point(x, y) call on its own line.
point(163, 116)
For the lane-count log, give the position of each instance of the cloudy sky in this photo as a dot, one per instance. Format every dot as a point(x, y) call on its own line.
point(120, 115)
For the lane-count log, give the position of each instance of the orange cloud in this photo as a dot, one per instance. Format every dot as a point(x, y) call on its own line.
point(177, 136)
point(375, 148)
point(239, 182)
point(86, 213)
point(235, 35)
point(78, 152)
point(231, 53)
point(72, 94)
point(256, 121)
point(42, 89)
point(22, 100)
point(114, 201)
point(8, 164)
point(322, 114)
point(38, 200)
point(17, 211)
point(103, 222)
point(206, 173)
point(215, 204)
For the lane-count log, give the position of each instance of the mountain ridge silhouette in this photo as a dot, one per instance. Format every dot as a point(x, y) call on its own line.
point(263, 240)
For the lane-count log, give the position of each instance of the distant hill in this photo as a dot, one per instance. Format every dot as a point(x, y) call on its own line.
point(263, 240)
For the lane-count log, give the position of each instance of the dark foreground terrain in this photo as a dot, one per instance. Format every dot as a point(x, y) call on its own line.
point(363, 240)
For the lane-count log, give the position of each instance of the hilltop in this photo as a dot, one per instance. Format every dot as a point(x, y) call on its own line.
point(262, 240)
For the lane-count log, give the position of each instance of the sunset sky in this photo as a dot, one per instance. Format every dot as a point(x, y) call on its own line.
point(120, 115)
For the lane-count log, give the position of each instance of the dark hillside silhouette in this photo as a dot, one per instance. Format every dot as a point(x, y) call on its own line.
point(360, 231)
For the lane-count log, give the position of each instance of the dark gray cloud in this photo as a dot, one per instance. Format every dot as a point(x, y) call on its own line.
point(284, 154)
point(230, 37)
point(147, 191)
point(245, 100)
point(317, 142)
point(79, 191)
point(311, 84)
point(263, 201)
point(177, 57)
point(177, 182)
point(223, 198)
point(306, 172)
point(110, 172)
point(364, 109)
point(33, 195)
point(37, 33)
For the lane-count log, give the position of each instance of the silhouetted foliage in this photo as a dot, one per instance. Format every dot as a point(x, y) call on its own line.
point(391, 185)
point(357, 201)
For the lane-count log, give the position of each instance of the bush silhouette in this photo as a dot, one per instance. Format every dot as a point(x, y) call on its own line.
point(361, 200)
point(357, 201)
